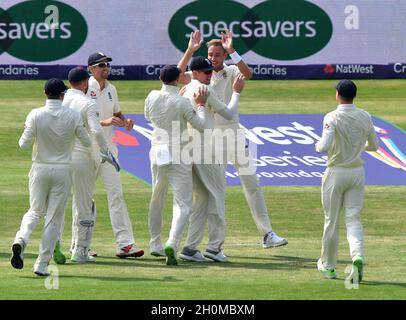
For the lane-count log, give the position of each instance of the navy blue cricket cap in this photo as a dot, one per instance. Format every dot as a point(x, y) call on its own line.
point(97, 57)
point(200, 64)
point(78, 74)
point(346, 89)
point(169, 73)
point(55, 87)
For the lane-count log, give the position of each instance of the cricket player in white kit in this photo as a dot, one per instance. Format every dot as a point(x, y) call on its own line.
point(221, 83)
point(84, 165)
point(105, 94)
point(53, 129)
point(347, 132)
point(169, 114)
point(208, 178)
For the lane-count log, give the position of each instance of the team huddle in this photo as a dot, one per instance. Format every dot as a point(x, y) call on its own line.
point(73, 136)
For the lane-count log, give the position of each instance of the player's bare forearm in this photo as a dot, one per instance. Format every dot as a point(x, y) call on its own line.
point(195, 42)
point(182, 65)
point(244, 69)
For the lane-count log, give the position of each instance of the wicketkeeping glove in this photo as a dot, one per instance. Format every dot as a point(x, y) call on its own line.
point(107, 156)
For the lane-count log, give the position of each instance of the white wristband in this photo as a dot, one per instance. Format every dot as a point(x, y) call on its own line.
point(235, 57)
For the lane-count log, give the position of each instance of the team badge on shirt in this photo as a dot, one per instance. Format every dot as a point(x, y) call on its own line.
point(93, 94)
point(224, 75)
point(326, 126)
point(110, 97)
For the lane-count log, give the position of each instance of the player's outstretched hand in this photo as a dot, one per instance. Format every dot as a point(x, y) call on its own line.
point(227, 41)
point(239, 83)
point(195, 41)
point(200, 96)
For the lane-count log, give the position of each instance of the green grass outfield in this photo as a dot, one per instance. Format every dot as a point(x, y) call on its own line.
point(253, 273)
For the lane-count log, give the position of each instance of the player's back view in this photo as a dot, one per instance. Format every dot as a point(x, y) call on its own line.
point(347, 132)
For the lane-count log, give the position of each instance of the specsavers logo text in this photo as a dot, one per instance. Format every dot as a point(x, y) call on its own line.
point(276, 29)
point(41, 30)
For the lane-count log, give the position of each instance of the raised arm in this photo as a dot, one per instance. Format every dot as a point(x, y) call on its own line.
point(194, 44)
point(227, 42)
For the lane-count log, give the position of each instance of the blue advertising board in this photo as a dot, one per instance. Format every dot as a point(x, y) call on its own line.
point(285, 150)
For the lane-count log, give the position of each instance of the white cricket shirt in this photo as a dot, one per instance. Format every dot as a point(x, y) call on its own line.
point(107, 101)
point(222, 84)
point(166, 109)
point(53, 129)
point(347, 132)
point(89, 111)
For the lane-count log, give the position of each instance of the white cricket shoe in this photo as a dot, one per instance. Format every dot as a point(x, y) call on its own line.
point(329, 273)
point(129, 251)
point(41, 269)
point(192, 256)
point(216, 256)
point(272, 240)
point(80, 255)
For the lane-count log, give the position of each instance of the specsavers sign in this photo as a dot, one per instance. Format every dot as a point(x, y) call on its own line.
point(272, 28)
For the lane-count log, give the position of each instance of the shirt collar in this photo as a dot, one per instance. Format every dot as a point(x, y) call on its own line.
point(76, 91)
point(195, 81)
point(53, 103)
point(93, 82)
point(222, 70)
point(170, 89)
point(344, 107)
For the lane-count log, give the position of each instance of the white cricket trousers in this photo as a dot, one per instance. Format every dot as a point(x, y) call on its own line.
point(49, 187)
point(120, 220)
point(342, 188)
point(83, 208)
point(179, 177)
point(208, 205)
point(255, 200)
point(249, 179)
